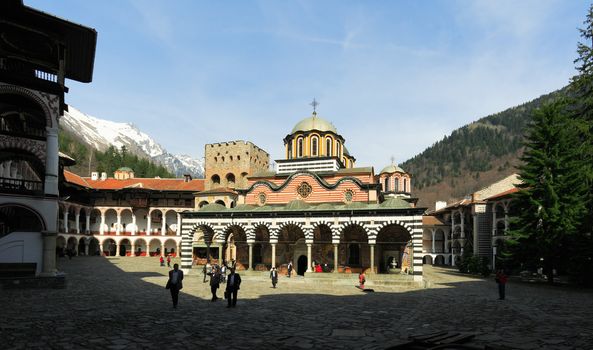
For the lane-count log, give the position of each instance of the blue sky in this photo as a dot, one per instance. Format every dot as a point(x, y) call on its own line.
point(393, 76)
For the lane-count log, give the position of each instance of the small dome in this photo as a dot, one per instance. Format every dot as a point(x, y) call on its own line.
point(392, 168)
point(124, 168)
point(314, 123)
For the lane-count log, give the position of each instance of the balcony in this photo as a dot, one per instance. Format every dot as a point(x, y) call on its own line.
point(20, 186)
point(32, 132)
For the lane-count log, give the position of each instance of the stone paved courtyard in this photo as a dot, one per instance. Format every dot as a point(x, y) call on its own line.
point(121, 303)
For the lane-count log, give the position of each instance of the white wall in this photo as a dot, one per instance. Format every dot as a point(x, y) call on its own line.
point(22, 247)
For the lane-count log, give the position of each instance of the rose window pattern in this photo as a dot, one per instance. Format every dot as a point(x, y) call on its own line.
point(304, 190)
point(262, 198)
point(348, 195)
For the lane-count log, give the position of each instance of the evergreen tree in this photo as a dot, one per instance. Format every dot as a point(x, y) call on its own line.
point(551, 202)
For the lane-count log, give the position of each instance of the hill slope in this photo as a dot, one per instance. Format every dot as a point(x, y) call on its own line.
point(474, 155)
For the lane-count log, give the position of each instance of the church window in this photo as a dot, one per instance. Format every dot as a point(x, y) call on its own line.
point(314, 146)
point(300, 147)
point(338, 149)
point(328, 146)
point(215, 179)
point(261, 198)
point(396, 188)
point(304, 190)
point(386, 186)
point(290, 156)
point(406, 185)
point(348, 195)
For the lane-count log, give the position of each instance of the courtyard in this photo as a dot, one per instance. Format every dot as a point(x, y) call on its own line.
point(121, 303)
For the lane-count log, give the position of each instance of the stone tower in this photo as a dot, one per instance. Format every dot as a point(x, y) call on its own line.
point(229, 163)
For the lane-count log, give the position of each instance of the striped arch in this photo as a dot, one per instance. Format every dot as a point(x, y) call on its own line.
point(255, 226)
point(333, 228)
point(307, 232)
point(345, 225)
point(395, 222)
point(227, 229)
point(187, 237)
point(35, 97)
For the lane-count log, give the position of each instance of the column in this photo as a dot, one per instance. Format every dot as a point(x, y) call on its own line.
point(494, 221)
point(309, 257)
point(102, 228)
point(178, 233)
point(335, 258)
point(77, 221)
point(162, 249)
point(118, 228)
point(476, 233)
point(164, 225)
point(273, 254)
point(446, 234)
point(51, 162)
point(88, 221)
point(117, 249)
point(462, 225)
point(372, 258)
point(133, 249)
point(49, 253)
point(66, 220)
point(134, 227)
point(148, 222)
point(433, 232)
point(86, 247)
point(250, 256)
point(506, 221)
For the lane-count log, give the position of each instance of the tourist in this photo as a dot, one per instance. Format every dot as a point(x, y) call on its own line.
point(289, 268)
point(223, 273)
point(162, 260)
point(168, 260)
point(233, 285)
point(214, 282)
point(174, 284)
point(274, 276)
point(204, 270)
point(318, 268)
point(501, 279)
point(361, 279)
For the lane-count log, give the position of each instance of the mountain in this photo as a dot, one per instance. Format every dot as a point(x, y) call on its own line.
point(474, 155)
point(99, 134)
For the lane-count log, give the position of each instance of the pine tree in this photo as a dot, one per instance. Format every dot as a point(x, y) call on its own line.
point(551, 202)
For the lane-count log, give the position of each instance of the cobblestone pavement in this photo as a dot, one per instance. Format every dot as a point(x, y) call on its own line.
point(121, 303)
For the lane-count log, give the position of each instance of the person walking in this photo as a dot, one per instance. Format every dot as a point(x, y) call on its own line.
point(289, 268)
point(361, 280)
point(501, 279)
point(174, 284)
point(214, 282)
point(233, 284)
point(168, 260)
point(162, 260)
point(274, 276)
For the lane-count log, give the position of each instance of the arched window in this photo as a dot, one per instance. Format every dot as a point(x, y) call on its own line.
point(386, 186)
point(290, 155)
point(230, 178)
point(328, 146)
point(314, 146)
point(300, 147)
point(215, 179)
point(405, 185)
point(338, 149)
point(396, 187)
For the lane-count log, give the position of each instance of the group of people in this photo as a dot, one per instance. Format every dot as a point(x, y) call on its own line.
point(162, 260)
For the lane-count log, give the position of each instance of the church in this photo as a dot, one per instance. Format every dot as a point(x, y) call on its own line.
point(316, 208)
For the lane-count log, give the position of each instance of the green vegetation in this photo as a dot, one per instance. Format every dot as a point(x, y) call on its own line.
point(89, 159)
point(474, 148)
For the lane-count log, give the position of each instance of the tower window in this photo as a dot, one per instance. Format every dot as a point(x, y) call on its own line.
point(300, 147)
point(314, 146)
point(386, 184)
point(328, 146)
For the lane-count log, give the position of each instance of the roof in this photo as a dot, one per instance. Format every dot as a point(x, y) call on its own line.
point(124, 168)
point(66, 159)
point(144, 183)
point(299, 205)
point(459, 203)
point(392, 168)
point(314, 123)
point(503, 194)
point(219, 190)
point(80, 41)
point(430, 220)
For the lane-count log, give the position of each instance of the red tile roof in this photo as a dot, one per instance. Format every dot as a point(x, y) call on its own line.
point(194, 185)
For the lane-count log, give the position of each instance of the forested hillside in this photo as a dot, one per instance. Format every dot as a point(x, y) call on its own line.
point(473, 156)
point(88, 159)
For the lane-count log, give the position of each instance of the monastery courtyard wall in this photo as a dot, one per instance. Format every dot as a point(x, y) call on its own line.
point(121, 303)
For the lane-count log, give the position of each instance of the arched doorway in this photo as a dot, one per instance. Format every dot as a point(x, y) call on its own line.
point(262, 250)
point(302, 265)
point(291, 245)
point(15, 218)
point(391, 244)
point(237, 248)
point(141, 247)
point(323, 249)
point(109, 247)
point(354, 251)
point(82, 246)
point(125, 247)
point(94, 247)
point(439, 260)
point(427, 260)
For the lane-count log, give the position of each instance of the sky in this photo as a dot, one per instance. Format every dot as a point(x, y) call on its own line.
point(394, 77)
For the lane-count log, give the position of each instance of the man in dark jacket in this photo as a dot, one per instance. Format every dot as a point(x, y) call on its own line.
point(233, 284)
point(174, 284)
point(274, 276)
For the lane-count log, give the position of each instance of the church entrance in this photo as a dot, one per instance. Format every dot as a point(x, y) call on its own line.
point(302, 265)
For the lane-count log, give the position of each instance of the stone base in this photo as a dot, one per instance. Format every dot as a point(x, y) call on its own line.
point(49, 282)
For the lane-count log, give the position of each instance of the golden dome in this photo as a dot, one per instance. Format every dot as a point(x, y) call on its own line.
point(314, 123)
point(392, 169)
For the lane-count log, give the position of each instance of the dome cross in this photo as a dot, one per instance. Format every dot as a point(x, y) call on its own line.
point(314, 104)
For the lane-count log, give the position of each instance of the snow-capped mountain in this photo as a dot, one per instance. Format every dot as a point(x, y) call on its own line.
point(101, 133)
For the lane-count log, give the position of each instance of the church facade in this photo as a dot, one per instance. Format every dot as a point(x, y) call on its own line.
point(315, 208)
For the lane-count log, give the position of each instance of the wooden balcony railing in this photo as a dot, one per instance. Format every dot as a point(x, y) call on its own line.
point(8, 185)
